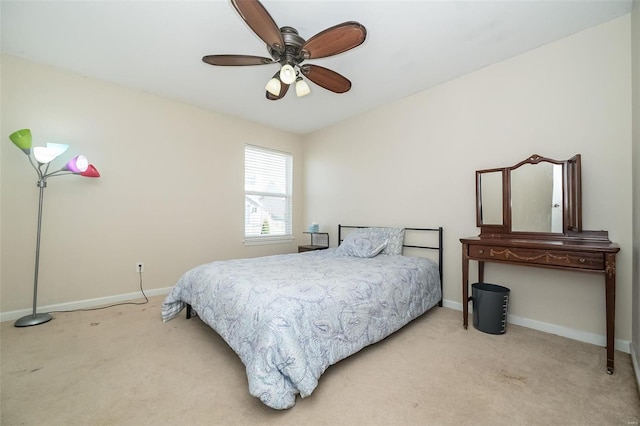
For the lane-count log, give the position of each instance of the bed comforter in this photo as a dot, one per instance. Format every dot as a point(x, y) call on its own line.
point(289, 317)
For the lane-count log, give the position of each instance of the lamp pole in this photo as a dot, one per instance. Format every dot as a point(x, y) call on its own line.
point(35, 318)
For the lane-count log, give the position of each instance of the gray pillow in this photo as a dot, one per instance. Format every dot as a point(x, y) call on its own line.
point(394, 235)
point(362, 245)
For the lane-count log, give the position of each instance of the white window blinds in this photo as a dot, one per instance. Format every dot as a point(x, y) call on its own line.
point(268, 194)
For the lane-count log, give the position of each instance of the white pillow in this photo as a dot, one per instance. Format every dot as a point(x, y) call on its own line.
point(361, 245)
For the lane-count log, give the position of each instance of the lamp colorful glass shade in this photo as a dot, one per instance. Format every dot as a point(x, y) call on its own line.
point(78, 165)
point(22, 139)
point(46, 154)
point(90, 172)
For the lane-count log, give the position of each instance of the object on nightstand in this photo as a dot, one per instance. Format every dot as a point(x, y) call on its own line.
point(319, 241)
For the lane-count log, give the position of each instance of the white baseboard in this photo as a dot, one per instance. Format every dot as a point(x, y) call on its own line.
point(82, 304)
point(582, 336)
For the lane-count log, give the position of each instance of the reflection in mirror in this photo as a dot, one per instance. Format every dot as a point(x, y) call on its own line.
point(536, 198)
point(491, 198)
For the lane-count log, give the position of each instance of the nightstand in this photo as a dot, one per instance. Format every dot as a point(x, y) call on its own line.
point(319, 241)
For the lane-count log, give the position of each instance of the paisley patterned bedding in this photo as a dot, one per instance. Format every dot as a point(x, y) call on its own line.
point(289, 317)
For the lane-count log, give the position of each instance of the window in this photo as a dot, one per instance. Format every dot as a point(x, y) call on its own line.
point(267, 194)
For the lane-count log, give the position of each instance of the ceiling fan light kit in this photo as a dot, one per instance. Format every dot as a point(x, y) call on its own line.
point(302, 88)
point(289, 49)
point(273, 86)
point(287, 74)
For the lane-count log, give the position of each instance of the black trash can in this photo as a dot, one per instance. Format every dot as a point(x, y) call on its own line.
point(490, 306)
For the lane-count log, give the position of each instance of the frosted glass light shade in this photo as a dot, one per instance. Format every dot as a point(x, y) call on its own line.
point(287, 74)
point(302, 88)
point(77, 164)
point(274, 86)
point(22, 139)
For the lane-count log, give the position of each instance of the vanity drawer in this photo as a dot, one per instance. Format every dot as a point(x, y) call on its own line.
point(568, 259)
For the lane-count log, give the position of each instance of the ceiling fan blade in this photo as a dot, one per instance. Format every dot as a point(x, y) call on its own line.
point(235, 60)
point(259, 20)
point(326, 78)
point(334, 40)
point(283, 89)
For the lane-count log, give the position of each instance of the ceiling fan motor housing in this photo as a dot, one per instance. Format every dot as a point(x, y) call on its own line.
point(292, 54)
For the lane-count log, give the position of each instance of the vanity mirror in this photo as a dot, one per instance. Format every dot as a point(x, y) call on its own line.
point(536, 196)
point(530, 214)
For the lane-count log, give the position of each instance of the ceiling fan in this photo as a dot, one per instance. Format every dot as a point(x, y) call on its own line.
point(289, 49)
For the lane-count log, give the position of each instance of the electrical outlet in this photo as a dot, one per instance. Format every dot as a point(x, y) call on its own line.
point(139, 267)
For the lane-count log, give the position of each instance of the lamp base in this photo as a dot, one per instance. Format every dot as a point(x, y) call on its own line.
point(30, 320)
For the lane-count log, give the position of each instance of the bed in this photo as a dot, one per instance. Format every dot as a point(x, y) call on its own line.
point(289, 317)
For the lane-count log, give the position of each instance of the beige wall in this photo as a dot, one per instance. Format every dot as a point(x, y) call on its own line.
point(412, 163)
point(171, 192)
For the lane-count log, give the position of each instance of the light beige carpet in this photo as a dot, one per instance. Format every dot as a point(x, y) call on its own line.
point(123, 366)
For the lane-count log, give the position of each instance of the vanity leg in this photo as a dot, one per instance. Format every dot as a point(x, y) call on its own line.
point(465, 286)
point(610, 289)
point(480, 271)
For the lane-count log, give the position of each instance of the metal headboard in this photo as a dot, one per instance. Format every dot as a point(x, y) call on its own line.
point(438, 247)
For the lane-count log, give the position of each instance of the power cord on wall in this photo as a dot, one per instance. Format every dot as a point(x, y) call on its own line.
point(146, 300)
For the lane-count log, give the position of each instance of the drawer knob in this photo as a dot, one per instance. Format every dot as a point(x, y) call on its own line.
point(480, 251)
point(582, 260)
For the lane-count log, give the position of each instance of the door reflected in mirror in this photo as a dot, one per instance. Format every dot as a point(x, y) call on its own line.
point(536, 198)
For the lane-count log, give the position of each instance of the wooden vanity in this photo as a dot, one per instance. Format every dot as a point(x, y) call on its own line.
point(530, 214)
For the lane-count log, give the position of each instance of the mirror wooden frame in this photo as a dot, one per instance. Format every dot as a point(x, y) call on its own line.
point(571, 199)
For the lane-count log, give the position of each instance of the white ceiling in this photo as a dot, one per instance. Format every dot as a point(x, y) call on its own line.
point(157, 46)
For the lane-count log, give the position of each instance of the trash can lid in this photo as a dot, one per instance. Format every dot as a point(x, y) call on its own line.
point(491, 287)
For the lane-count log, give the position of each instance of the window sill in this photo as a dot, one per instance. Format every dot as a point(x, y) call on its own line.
point(259, 241)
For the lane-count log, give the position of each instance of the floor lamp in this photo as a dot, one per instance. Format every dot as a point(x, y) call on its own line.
point(78, 165)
